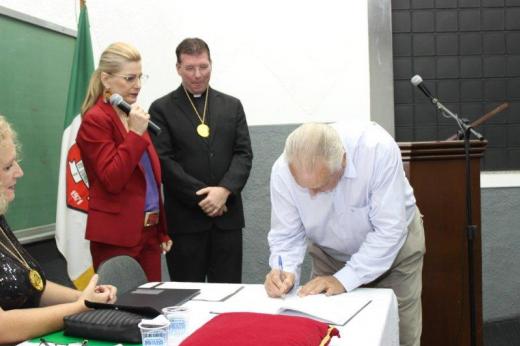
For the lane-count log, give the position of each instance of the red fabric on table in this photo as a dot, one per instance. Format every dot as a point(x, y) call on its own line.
point(249, 328)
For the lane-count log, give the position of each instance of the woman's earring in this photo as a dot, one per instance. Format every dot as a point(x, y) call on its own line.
point(106, 95)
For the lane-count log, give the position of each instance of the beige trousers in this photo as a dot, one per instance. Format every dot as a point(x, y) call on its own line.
point(404, 277)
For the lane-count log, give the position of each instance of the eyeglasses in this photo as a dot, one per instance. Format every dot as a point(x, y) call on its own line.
point(131, 79)
point(44, 342)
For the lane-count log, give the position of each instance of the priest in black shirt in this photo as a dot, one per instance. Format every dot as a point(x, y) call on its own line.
point(206, 158)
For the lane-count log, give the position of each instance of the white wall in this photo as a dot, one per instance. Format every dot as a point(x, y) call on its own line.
point(288, 61)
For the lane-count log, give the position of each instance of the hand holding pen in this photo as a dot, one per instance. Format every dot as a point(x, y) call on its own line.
point(282, 276)
point(279, 282)
point(280, 268)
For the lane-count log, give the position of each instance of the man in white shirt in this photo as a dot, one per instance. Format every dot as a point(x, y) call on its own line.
point(340, 191)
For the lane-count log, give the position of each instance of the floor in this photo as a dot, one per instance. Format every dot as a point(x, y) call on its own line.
point(496, 333)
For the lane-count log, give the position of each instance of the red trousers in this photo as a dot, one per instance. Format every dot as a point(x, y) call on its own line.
point(147, 253)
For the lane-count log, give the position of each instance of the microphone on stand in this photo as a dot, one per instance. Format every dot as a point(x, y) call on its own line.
point(417, 81)
point(117, 100)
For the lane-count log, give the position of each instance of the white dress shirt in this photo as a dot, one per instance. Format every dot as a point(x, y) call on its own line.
point(362, 221)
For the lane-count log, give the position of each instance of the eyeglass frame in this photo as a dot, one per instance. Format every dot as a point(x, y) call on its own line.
point(131, 79)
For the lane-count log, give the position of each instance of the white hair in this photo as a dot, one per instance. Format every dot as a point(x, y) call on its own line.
point(314, 143)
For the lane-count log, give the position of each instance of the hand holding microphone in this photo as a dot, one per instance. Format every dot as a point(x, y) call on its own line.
point(139, 119)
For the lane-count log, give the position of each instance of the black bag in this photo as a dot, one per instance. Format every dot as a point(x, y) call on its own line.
point(105, 324)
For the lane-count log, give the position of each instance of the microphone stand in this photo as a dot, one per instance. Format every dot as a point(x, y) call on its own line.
point(471, 229)
point(480, 120)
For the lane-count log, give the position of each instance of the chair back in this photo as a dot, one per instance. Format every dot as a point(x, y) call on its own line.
point(124, 272)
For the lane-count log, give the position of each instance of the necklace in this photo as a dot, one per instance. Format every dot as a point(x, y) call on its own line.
point(202, 129)
point(34, 277)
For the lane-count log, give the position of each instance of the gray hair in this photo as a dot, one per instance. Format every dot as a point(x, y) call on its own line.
point(313, 143)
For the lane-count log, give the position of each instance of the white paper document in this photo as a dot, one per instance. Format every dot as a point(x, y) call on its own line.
point(211, 292)
point(338, 309)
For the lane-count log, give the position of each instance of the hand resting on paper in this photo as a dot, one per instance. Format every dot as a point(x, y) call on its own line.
point(322, 284)
point(278, 283)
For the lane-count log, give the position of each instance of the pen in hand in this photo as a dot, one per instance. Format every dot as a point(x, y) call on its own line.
point(280, 267)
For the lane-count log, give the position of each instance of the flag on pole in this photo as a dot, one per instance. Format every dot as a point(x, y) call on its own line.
point(72, 205)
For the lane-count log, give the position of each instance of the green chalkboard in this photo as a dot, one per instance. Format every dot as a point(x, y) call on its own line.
point(35, 67)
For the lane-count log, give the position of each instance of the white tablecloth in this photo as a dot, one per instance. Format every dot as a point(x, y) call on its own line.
point(376, 324)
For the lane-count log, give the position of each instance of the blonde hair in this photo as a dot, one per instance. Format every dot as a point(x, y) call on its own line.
point(314, 143)
point(6, 133)
point(111, 62)
point(3, 201)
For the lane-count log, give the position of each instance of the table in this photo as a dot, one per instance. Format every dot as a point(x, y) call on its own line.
point(377, 324)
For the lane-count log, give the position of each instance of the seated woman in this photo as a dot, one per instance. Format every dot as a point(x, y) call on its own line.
point(30, 305)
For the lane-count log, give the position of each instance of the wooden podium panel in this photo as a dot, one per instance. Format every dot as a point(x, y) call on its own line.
point(436, 171)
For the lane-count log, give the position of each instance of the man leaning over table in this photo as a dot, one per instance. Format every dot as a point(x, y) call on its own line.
point(340, 191)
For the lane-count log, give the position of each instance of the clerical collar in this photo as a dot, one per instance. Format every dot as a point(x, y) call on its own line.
point(196, 96)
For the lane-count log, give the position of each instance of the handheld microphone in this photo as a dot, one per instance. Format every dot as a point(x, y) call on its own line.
point(117, 100)
point(418, 82)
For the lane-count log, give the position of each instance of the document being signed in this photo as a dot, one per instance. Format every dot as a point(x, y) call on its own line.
point(337, 309)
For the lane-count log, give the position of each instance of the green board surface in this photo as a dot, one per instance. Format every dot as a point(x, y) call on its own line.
point(35, 66)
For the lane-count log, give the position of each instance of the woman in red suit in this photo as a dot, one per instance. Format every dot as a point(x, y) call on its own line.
point(126, 215)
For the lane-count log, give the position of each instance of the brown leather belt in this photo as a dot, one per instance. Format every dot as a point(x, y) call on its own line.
point(151, 218)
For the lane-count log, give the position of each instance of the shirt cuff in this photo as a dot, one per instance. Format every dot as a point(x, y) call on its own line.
point(348, 278)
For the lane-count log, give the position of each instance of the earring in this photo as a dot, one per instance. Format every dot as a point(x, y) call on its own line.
point(106, 95)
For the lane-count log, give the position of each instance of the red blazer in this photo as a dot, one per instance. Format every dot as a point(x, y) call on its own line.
point(117, 183)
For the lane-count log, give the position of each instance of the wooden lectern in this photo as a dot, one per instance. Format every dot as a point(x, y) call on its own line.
point(436, 171)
